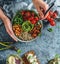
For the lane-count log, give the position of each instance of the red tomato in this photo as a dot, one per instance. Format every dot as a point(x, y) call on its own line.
point(33, 22)
point(36, 18)
point(55, 15)
point(50, 12)
point(28, 14)
point(32, 14)
point(48, 17)
point(30, 18)
point(56, 12)
point(52, 23)
point(23, 12)
point(25, 18)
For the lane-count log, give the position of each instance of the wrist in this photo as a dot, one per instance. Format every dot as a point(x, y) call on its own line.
point(2, 15)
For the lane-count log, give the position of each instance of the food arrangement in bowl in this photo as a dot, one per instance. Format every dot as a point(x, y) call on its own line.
point(55, 60)
point(26, 25)
point(29, 57)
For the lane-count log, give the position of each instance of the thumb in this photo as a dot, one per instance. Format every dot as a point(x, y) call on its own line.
point(12, 35)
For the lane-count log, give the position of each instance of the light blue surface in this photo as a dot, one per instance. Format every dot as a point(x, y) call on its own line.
point(46, 46)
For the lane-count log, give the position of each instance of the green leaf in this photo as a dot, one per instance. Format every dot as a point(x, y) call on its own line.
point(57, 56)
point(18, 51)
point(50, 29)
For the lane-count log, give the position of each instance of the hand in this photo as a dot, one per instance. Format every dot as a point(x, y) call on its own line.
point(7, 24)
point(41, 7)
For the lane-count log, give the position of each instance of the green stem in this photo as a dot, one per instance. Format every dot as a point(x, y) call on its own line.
point(5, 48)
point(3, 44)
point(7, 43)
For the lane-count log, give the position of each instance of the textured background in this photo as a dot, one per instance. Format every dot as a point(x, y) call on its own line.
point(46, 46)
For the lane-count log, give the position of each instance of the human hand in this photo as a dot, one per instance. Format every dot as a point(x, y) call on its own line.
point(7, 24)
point(41, 7)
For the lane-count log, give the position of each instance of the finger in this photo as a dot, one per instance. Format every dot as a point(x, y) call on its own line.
point(43, 5)
point(12, 35)
point(46, 15)
point(40, 12)
point(45, 9)
point(9, 30)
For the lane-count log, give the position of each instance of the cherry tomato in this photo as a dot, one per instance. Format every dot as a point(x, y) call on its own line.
point(50, 12)
point(30, 18)
point(33, 22)
point(55, 14)
point(52, 23)
point(32, 14)
point(23, 12)
point(36, 18)
point(25, 18)
point(48, 17)
point(28, 14)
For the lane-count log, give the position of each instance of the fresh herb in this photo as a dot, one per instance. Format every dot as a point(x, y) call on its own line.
point(7, 43)
point(50, 29)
